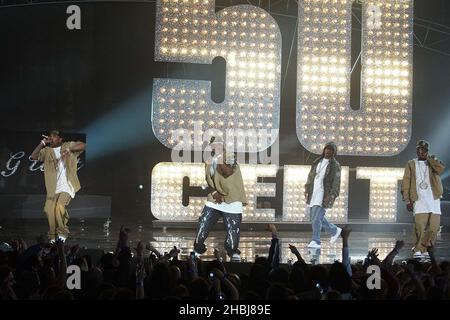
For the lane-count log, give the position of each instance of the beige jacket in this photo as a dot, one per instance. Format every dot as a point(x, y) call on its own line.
point(409, 191)
point(232, 188)
point(47, 155)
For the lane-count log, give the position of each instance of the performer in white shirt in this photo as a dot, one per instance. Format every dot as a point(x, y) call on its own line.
point(321, 190)
point(422, 191)
point(61, 179)
point(226, 200)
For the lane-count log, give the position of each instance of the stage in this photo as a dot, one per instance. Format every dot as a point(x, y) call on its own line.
point(99, 235)
point(274, 82)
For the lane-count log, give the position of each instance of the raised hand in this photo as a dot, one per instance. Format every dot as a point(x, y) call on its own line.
point(22, 245)
point(84, 265)
point(373, 253)
point(345, 233)
point(174, 252)
point(373, 256)
point(399, 244)
point(123, 235)
point(216, 254)
point(150, 247)
point(294, 249)
point(272, 228)
point(74, 250)
point(192, 266)
point(45, 140)
point(140, 249)
point(19, 245)
point(15, 245)
point(140, 272)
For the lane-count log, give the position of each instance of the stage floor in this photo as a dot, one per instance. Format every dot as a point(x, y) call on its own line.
point(96, 234)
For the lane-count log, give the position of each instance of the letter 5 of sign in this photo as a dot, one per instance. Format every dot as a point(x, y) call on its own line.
point(249, 39)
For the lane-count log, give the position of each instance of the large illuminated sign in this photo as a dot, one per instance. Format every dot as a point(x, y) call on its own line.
point(383, 191)
point(294, 202)
point(382, 125)
point(249, 39)
point(167, 192)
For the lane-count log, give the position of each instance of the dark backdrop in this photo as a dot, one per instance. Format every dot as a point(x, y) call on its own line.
point(97, 81)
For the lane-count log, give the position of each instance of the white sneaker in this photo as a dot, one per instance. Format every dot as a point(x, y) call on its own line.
point(236, 258)
point(425, 255)
point(63, 239)
point(336, 236)
point(314, 252)
point(313, 244)
point(417, 254)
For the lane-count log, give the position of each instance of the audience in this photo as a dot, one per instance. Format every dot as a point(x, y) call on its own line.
point(39, 273)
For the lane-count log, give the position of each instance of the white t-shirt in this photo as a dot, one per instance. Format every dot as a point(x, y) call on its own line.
point(234, 207)
point(425, 202)
point(62, 183)
point(318, 191)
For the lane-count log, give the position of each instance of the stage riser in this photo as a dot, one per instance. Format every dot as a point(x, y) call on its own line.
point(302, 227)
point(32, 206)
point(78, 221)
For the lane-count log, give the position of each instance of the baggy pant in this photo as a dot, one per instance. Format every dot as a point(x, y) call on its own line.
point(57, 215)
point(232, 223)
point(319, 221)
point(422, 237)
